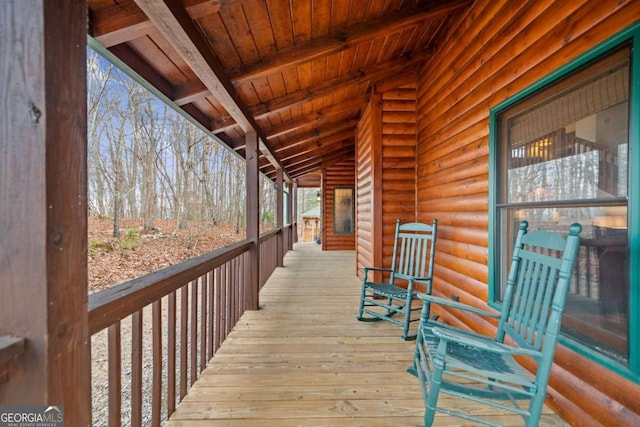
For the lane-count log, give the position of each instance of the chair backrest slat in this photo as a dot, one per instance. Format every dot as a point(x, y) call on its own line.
point(413, 249)
point(537, 286)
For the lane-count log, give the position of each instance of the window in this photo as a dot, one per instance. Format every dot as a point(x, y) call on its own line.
point(560, 153)
point(343, 210)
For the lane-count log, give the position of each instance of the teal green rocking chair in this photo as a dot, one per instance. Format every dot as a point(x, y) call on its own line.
point(484, 369)
point(412, 262)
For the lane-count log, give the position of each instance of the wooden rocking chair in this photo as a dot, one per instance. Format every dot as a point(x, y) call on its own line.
point(412, 262)
point(484, 369)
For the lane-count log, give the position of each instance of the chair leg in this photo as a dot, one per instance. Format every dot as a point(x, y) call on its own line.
point(362, 296)
point(434, 388)
point(407, 318)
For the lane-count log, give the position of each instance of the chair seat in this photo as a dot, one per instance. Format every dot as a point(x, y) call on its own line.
point(388, 290)
point(482, 363)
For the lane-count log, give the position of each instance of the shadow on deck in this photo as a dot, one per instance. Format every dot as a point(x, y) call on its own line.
point(304, 360)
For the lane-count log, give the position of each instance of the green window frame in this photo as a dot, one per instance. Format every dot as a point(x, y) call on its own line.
point(503, 208)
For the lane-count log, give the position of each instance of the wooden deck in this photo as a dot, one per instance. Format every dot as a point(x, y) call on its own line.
point(303, 359)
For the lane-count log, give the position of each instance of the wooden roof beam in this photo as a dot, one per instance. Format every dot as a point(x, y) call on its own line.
point(317, 134)
point(339, 41)
point(385, 70)
point(317, 117)
point(175, 24)
point(290, 152)
point(316, 150)
point(321, 162)
point(372, 75)
point(122, 22)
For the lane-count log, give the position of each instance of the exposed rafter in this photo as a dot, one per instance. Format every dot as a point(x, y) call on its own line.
point(340, 41)
point(126, 21)
point(372, 75)
point(315, 134)
point(317, 117)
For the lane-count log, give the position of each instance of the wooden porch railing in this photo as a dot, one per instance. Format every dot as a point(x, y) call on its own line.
point(194, 304)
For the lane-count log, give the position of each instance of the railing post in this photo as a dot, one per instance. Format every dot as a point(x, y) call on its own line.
point(43, 204)
point(252, 267)
point(279, 218)
point(293, 214)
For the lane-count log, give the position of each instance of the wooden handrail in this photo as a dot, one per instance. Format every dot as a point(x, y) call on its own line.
point(117, 302)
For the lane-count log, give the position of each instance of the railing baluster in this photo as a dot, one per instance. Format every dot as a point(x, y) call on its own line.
point(156, 389)
point(136, 368)
point(218, 310)
point(210, 321)
point(171, 355)
point(184, 310)
point(223, 302)
point(115, 376)
point(203, 323)
point(194, 332)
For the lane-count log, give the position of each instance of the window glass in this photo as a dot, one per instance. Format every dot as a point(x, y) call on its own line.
point(343, 211)
point(564, 159)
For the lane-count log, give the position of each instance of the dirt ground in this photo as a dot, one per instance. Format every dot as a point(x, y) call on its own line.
point(137, 252)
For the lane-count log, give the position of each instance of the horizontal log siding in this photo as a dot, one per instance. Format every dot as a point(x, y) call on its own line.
point(500, 48)
point(338, 175)
point(398, 163)
point(364, 194)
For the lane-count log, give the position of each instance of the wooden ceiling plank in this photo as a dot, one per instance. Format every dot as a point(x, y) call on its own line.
point(257, 14)
point(172, 20)
point(338, 41)
point(321, 18)
point(302, 27)
point(281, 25)
point(125, 21)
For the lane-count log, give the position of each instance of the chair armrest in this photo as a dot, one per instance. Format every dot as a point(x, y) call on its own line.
point(481, 342)
point(365, 269)
point(457, 305)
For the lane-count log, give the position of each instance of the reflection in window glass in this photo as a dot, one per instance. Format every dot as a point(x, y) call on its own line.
point(343, 211)
point(564, 159)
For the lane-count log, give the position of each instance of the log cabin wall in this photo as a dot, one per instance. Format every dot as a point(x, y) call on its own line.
point(338, 175)
point(386, 161)
point(498, 49)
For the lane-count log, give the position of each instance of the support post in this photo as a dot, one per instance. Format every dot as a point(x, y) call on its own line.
point(294, 213)
point(252, 268)
point(280, 217)
point(377, 238)
point(43, 204)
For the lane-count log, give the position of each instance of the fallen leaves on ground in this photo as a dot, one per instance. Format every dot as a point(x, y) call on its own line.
point(137, 252)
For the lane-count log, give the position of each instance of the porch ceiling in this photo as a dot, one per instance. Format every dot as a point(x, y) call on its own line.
point(297, 73)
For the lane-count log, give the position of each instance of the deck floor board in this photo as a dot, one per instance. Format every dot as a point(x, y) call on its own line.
point(303, 359)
